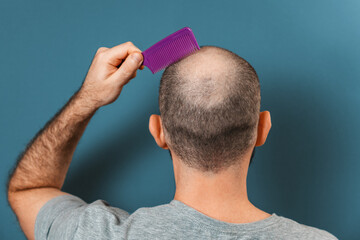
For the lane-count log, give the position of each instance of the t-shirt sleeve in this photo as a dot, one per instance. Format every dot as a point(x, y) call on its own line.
point(68, 217)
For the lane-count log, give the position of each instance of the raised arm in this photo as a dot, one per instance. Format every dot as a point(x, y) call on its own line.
point(41, 169)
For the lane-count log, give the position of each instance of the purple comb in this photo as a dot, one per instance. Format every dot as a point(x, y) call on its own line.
point(171, 49)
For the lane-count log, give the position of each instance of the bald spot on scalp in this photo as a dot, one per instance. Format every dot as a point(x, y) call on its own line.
point(205, 77)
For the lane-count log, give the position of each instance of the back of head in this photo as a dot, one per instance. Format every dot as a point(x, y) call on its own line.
point(209, 105)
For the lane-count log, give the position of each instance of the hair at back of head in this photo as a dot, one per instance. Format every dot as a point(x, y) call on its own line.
point(209, 105)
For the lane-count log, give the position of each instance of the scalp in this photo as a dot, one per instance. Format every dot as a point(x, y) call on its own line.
point(205, 77)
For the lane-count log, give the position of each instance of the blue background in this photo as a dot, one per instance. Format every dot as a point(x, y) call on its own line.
point(306, 54)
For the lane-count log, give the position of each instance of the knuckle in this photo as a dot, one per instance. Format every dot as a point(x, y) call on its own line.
point(101, 49)
point(129, 43)
point(100, 55)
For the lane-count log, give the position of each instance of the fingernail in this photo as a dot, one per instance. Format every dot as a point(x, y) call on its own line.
point(137, 57)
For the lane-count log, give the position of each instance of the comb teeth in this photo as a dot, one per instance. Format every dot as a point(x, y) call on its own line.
point(170, 49)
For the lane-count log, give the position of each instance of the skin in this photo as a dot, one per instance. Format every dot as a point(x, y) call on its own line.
point(41, 171)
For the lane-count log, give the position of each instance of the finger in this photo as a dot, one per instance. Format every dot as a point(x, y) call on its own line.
point(115, 55)
point(128, 68)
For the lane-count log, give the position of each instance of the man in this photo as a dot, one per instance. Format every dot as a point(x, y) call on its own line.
point(210, 122)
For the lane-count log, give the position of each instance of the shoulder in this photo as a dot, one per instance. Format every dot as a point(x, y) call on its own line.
point(302, 231)
point(153, 219)
point(67, 217)
point(163, 211)
point(102, 207)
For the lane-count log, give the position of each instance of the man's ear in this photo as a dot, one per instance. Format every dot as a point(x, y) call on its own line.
point(263, 128)
point(156, 131)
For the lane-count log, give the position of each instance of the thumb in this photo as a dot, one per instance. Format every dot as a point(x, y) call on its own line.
point(128, 68)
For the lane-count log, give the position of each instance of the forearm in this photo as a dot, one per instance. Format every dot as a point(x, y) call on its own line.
point(41, 169)
point(47, 158)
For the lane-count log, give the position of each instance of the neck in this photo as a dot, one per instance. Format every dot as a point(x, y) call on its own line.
point(222, 196)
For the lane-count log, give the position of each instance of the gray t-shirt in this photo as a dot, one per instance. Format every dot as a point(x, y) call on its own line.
point(69, 217)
